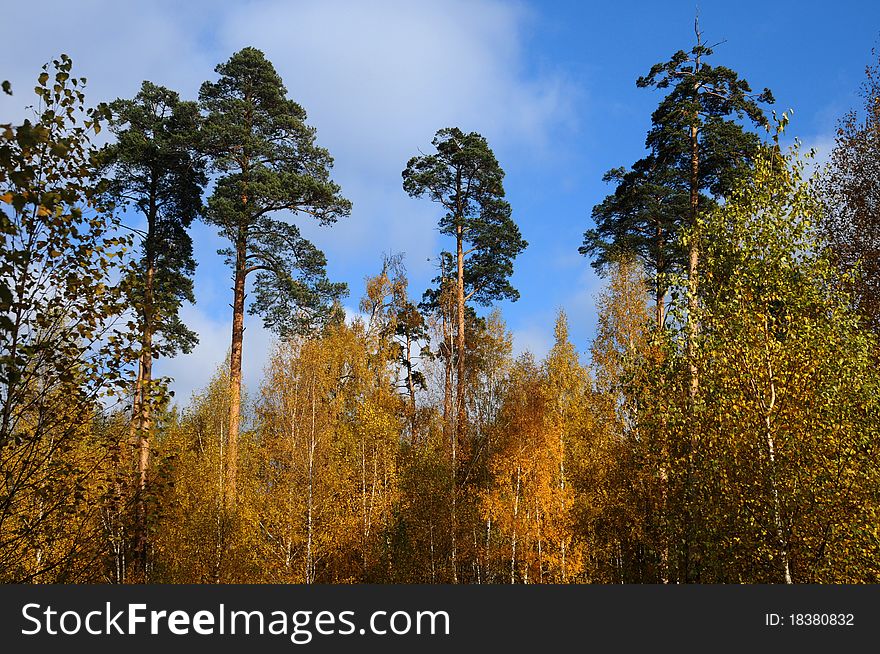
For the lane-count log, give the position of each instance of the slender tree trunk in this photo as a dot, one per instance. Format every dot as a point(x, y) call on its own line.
point(453, 518)
point(562, 506)
point(460, 423)
point(292, 488)
point(663, 472)
point(135, 426)
point(513, 535)
point(489, 574)
point(235, 366)
point(659, 290)
point(142, 406)
point(431, 535)
point(137, 397)
point(144, 423)
point(540, 542)
point(446, 319)
point(694, 244)
point(692, 330)
point(411, 390)
point(221, 499)
point(446, 303)
point(771, 451)
point(310, 564)
point(460, 388)
point(693, 263)
point(478, 564)
point(364, 528)
point(693, 327)
point(145, 418)
point(659, 309)
point(777, 513)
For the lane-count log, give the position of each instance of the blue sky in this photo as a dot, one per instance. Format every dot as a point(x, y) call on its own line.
point(550, 84)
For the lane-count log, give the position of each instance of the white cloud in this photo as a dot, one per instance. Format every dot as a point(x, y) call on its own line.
point(536, 339)
point(116, 45)
point(383, 221)
point(379, 78)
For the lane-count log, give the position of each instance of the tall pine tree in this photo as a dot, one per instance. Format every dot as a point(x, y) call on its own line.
point(268, 162)
point(464, 177)
point(695, 136)
point(155, 168)
point(697, 152)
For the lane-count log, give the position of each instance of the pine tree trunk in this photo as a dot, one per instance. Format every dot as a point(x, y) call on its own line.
point(235, 368)
point(450, 433)
point(141, 408)
point(693, 263)
point(460, 423)
point(692, 329)
point(659, 290)
point(658, 309)
point(144, 423)
point(692, 325)
point(135, 436)
point(447, 362)
point(460, 386)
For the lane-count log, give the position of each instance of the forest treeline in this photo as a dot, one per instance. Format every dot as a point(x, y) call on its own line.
point(726, 427)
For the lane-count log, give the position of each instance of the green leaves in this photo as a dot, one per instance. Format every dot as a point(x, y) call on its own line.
point(642, 218)
point(464, 177)
point(292, 292)
point(156, 167)
point(698, 151)
point(259, 142)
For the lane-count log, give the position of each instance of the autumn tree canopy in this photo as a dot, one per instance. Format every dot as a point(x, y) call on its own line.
point(720, 424)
